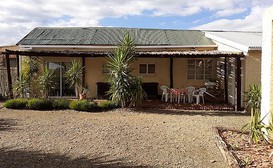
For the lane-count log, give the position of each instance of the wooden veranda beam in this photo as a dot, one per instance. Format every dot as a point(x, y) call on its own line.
point(83, 71)
point(9, 76)
point(238, 83)
point(226, 79)
point(138, 54)
point(17, 65)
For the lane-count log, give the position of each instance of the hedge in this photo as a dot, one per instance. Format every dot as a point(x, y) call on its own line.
point(107, 105)
point(83, 105)
point(58, 104)
point(16, 104)
point(40, 104)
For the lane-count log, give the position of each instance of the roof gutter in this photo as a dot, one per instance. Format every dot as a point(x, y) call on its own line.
point(112, 47)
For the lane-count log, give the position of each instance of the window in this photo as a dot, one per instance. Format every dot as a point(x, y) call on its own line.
point(61, 87)
point(199, 69)
point(147, 68)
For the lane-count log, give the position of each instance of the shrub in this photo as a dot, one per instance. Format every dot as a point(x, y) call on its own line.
point(40, 104)
point(16, 103)
point(83, 105)
point(60, 104)
point(107, 105)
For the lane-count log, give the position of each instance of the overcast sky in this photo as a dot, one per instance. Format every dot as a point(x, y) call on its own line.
point(18, 17)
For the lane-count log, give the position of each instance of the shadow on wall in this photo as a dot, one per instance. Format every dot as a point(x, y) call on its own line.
point(7, 124)
point(33, 159)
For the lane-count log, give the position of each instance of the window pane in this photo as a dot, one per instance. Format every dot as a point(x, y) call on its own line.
point(142, 68)
point(190, 76)
point(67, 89)
point(191, 61)
point(199, 76)
point(208, 64)
point(151, 68)
point(55, 66)
point(191, 71)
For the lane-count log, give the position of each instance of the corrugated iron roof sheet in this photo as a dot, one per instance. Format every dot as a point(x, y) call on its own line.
point(249, 39)
point(111, 36)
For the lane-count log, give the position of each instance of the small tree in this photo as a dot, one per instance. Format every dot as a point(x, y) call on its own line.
point(74, 76)
point(46, 82)
point(124, 88)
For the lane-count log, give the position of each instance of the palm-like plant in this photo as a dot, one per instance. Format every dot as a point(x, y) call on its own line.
point(256, 127)
point(46, 82)
point(74, 76)
point(21, 86)
point(124, 88)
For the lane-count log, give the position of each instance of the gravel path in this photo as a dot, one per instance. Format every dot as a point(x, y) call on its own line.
point(121, 138)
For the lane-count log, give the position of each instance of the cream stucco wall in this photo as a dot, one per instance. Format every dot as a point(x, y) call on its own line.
point(94, 72)
point(267, 64)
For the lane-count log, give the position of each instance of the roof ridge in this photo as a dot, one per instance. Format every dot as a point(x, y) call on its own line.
point(101, 27)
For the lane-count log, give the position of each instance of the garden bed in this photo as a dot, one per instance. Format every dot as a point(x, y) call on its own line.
point(239, 152)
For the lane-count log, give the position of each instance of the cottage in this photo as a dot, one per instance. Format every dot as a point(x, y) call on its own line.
point(175, 58)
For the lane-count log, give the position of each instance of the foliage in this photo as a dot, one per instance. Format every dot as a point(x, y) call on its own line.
point(255, 127)
point(138, 93)
point(21, 87)
point(40, 104)
point(107, 105)
point(30, 71)
point(60, 104)
point(74, 75)
point(83, 105)
point(30, 67)
point(123, 86)
point(16, 103)
point(46, 81)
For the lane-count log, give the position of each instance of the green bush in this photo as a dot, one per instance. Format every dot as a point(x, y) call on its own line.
point(83, 105)
point(60, 104)
point(107, 105)
point(40, 104)
point(16, 103)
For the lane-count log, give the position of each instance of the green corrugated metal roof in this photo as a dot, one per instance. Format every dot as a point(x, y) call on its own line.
point(111, 36)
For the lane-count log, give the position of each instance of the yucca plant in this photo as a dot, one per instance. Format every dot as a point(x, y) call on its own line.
point(74, 76)
point(255, 127)
point(125, 89)
point(21, 86)
point(46, 82)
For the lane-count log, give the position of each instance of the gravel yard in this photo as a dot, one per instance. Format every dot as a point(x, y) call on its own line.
point(120, 138)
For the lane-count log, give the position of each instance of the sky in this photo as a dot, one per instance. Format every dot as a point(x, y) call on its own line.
point(19, 17)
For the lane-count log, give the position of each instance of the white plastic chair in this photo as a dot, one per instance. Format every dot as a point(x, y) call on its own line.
point(165, 93)
point(190, 90)
point(200, 94)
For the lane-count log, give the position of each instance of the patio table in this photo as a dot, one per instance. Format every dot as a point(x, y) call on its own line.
point(177, 93)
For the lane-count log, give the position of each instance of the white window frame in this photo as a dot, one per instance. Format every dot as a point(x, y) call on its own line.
point(195, 68)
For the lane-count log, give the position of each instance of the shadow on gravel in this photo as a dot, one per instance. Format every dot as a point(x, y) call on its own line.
point(7, 124)
point(33, 159)
point(193, 113)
